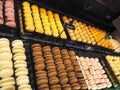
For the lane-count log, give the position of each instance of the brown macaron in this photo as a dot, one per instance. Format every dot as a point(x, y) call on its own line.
point(75, 86)
point(75, 63)
point(79, 74)
point(73, 80)
point(63, 80)
point(77, 68)
point(37, 49)
point(67, 61)
point(62, 73)
point(47, 58)
point(69, 68)
point(43, 87)
point(73, 58)
point(50, 66)
point(52, 73)
point(66, 87)
point(58, 61)
point(71, 74)
point(71, 53)
point(38, 57)
point(46, 49)
point(39, 66)
point(55, 48)
point(66, 57)
point(36, 53)
point(57, 56)
point(56, 87)
point(48, 55)
point(41, 74)
point(60, 67)
point(53, 80)
point(39, 60)
point(49, 61)
point(83, 86)
point(56, 53)
point(35, 45)
point(41, 81)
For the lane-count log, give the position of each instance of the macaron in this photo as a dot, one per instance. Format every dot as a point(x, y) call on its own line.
point(35, 45)
point(69, 68)
point(75, 86)
point(17, 43)
point(67, 62)
point(50, 66)
point(66, 87)
point(38, 60)
point(46, 48)
point(63, 80)
point(73, 80)
point(5, 71)
point(18, 50)
point(8, 87)
point(35, 49)
point(7, 81)
point(42, 80)
point(37, 53)
point(57, 56)
point(58, 61)
point(21, 71)
point(71, 74)
point(73, 58)
point(62, 73)
point(8, 56)
point(19, 56)
point(52, 73)
point(39, 66)
point(24, 87)
point(43, 87)
point(60, 67)
point(71, 53)
point(53, 80)
point(22, 80)
point(20, 64)
point(56, 87)
point(49, 61)
point(41, 74)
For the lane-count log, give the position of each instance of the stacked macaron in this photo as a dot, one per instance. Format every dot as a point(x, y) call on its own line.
point(45, 22)
point(109, 73)
point(53, 26)
point(20, 65)
point(51, 68)
point(59, 26)
point(87, 34)
point(10, 13)
point(6, 66)
point(1, 12)
point(77, 70)
point(29, 25)
point(42, 79)
point(94, 73)
point(73, 81)
point(114, 62)
point(60, 67)
point(37, 20)
point(57, 69)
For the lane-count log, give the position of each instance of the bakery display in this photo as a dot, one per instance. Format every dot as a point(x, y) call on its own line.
point(7, 80)
point(56, 69)
point(9, 13)
point(87, 34)
point(94, 73)
point(20, 65)
point(114, 62)
point(43, 21)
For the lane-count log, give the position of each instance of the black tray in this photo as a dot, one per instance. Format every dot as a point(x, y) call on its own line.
point(36, 36)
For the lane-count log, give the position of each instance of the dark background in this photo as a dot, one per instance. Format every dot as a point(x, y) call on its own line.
point(98, 12)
